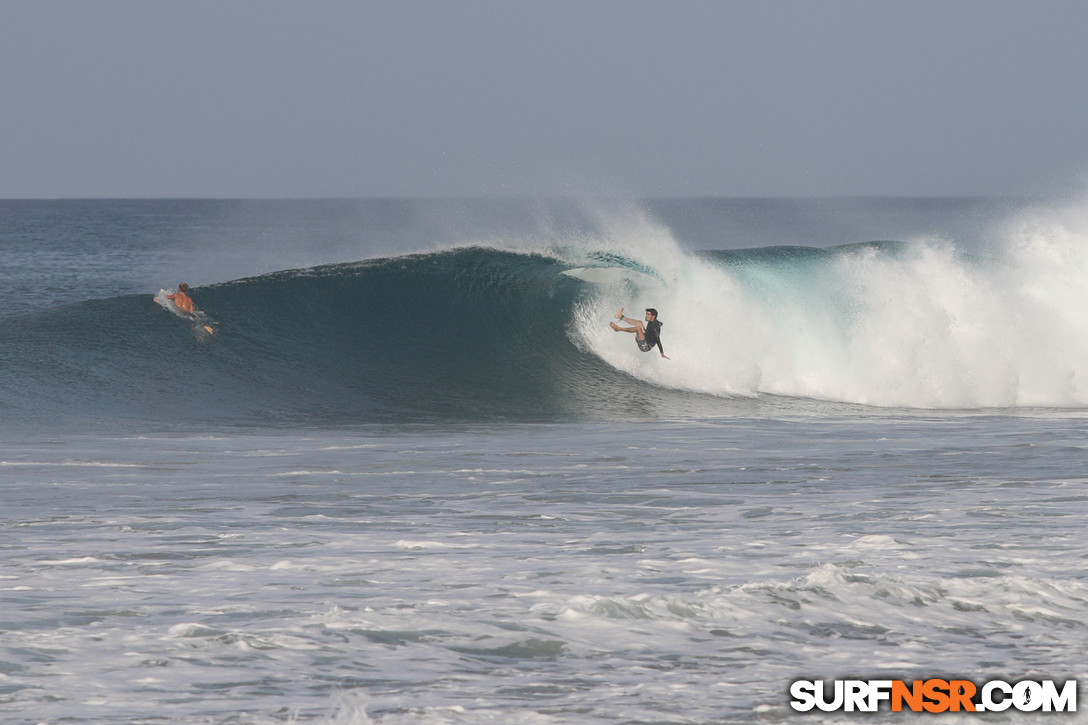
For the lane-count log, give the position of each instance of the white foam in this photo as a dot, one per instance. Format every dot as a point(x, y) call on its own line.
point(428, 545)
point(70, 562)
point(226, 565)
point(928, 327)
point(77, 464)
point(302, 472)
point(612, 595)
point(193, 629)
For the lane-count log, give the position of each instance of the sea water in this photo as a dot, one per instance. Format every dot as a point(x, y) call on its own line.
point(415, 477)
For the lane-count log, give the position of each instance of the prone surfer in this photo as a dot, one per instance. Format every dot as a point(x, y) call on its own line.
point(184, 302)
point(181, 298)
point(648, 335)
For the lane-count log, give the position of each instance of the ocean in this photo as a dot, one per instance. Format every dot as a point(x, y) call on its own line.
point(415, 477)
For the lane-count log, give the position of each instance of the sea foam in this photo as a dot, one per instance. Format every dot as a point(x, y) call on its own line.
point(921, 324)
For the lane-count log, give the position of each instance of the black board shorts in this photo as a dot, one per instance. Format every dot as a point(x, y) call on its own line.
point(644, 345)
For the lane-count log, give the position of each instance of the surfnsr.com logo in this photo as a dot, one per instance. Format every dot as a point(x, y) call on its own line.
point(935, 696)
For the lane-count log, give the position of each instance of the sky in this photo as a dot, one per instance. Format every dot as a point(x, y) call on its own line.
point(629, 98)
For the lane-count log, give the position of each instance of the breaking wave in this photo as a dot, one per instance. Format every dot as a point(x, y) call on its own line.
point(480, 333)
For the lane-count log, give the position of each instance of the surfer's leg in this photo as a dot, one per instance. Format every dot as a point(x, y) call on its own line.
point(638, 329)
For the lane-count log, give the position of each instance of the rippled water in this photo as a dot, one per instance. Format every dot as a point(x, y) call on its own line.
point(574, 573)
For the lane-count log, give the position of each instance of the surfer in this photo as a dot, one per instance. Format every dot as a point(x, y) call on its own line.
point(181, 299)
point(648, 335)
point(184, 303)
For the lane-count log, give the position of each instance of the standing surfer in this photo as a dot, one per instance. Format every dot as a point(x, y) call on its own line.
point(648, 335)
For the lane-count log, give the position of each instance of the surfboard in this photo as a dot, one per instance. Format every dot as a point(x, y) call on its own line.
point(600, 275)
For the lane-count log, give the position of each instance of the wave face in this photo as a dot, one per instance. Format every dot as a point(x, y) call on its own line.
point(485, 334)
point(462, 334)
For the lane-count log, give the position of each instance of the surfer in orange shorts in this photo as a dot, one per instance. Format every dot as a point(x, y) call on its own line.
point(184, 302)
point(181, 299)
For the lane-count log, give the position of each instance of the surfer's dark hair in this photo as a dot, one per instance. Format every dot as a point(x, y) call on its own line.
point(182, 287)
point(652, 311)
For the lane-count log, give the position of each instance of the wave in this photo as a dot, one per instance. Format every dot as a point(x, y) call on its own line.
point(892, 324)
point(484, 334)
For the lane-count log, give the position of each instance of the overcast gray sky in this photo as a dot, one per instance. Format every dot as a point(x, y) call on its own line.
point(231, 98)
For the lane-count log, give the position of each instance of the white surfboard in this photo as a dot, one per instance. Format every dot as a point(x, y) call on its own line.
point(601, 275)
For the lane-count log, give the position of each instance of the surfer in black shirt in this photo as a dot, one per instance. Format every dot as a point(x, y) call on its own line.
point(648, 335)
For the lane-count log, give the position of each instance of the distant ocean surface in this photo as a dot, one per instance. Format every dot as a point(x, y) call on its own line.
point(414, 477)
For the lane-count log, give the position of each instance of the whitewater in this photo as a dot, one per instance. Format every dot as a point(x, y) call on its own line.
point(414, 477)
point(922, 325)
